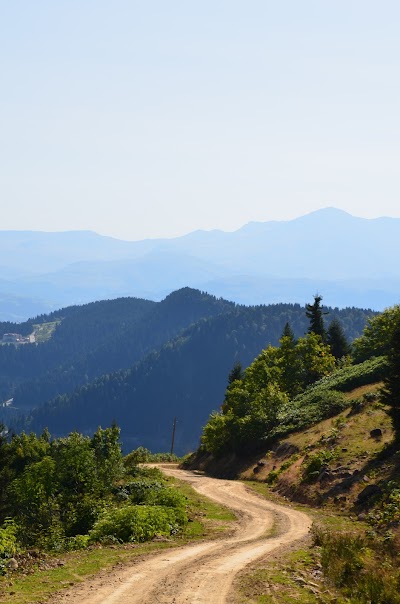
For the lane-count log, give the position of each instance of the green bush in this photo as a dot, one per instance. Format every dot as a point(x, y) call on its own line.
point(8, 539)
point(353, 376)
point(166, 496)
point(138, 490)
point(311, 407)
point(138, 523)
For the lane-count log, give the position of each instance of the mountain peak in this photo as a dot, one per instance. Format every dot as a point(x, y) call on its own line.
point(326, 213)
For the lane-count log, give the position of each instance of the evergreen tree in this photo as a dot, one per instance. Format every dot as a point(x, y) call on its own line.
point(288, 332)
point(236, 373)
point(336, 339)
point(391, 388)
point(315, 314)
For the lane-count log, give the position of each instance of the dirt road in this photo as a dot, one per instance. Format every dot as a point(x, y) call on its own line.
point(201, 573)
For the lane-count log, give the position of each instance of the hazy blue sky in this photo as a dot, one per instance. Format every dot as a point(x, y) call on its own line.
point(155, 118)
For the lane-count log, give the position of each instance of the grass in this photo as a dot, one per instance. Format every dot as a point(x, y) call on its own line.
point(207, 520)
point(287, 578)
point(41, 582)
point(294, 575)
point(44, 331)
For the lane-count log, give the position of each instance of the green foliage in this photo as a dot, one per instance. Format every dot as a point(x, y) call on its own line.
point(236, 373)
point(386, 514)
point(325, 398)
point(133, 360)
point(309, 408)
point(315, 462)
point(108, 459)
point(32, 498)
point(9, 545)
point(382, 336)
point(55, 489)
point(8, 539)
point(274, 474)
point(363, 568)
point(349, 377)
point(246, 421)
point(315, 314)
point(336, 340)
point(376, 338)
point(391, 384)
point(253, 405)
point(137, 523)
point(143, 455)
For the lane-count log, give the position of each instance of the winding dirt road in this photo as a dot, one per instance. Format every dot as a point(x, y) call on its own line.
point(201, 573)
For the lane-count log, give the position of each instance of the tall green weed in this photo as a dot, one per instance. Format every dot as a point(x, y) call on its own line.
point(363, 568)
point(137, 523)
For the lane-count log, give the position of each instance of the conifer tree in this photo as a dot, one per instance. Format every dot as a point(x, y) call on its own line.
point(336, 339)
point(236, 373)
point(315, 313)
point(391, 384)
point(288, 332)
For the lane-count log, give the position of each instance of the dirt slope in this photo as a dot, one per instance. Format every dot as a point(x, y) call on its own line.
point(201, 573)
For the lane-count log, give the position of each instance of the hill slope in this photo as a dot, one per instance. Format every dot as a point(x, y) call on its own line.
point(185, 378)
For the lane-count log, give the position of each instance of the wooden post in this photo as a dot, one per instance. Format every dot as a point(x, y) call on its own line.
point(173, 436)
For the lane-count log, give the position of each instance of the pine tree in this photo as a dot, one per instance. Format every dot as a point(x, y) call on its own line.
point(391, 384)
point(236, 373)
point(336, 339)
point(315, 313)
point(288, 332)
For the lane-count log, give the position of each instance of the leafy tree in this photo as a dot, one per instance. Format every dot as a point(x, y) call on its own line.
point(316, 360)
point(376, 338)
point(252, 405)
point(108, 456)
point(316, 316)
point(34, 503)
point(289, 362)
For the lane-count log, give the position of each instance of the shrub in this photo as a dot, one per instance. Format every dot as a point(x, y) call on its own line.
point(314, 463)
point(138, 490)
point(138, 523)
point(8, 539)
point(360, 566)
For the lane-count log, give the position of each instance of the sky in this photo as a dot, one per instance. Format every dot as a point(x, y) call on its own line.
point(155, 118)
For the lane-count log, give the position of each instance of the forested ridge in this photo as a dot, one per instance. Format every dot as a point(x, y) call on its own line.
point(183, 376)
point(97, 338)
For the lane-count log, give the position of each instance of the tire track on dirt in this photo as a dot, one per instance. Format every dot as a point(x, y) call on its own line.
point(201, 573)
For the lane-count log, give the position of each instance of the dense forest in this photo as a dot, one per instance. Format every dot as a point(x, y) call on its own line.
point(173, 362)
point(94, 339)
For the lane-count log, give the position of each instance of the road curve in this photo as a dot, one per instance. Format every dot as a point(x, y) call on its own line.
point(201, 573)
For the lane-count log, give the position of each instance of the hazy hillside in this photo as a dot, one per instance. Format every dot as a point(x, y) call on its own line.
point(351, 260)
point(97, 338)
point(185, 378)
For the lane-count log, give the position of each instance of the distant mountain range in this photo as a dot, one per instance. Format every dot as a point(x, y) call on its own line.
point(351, 261)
